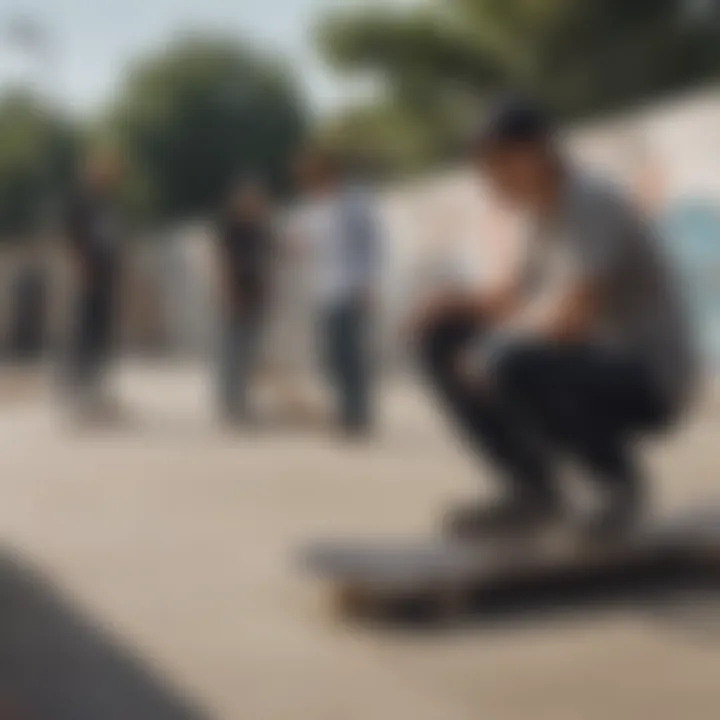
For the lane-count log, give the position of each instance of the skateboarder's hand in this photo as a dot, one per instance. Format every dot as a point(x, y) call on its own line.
point(432, 310)
point(471, 369)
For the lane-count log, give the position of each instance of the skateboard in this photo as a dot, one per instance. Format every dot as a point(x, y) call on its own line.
point(444, 578)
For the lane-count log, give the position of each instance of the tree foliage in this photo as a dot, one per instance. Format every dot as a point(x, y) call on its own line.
point(201, 113)
point(37, 155)
point(579, 57)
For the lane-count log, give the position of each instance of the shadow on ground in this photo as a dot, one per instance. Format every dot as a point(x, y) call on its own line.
point(56, 664)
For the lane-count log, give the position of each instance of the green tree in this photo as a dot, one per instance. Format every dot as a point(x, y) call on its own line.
point(38, 149)
point(200, 113)
point(580, 57)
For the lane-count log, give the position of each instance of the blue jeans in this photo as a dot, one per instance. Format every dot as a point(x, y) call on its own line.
point(347, 362)
point(239, 355)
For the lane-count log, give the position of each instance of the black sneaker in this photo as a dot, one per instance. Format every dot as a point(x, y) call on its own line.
point(510, 518)
point(620, 516)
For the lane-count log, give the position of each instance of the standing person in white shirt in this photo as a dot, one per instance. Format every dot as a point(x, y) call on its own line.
point(342, 228)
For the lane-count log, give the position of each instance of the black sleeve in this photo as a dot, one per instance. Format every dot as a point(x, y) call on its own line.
point(223, 235)
point(74, 224)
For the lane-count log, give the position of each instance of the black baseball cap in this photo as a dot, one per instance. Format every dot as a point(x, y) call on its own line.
point(511, 121)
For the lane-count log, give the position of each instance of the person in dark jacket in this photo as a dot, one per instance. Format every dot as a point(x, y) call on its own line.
point(94, 232)
point(244, 257)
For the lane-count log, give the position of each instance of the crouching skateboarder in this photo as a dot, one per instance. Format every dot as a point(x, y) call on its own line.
point(585, 350)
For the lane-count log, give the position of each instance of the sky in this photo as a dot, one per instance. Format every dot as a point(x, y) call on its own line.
point(95, 39)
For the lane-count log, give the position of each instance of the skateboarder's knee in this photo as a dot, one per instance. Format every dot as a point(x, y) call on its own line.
point(441, 342)
point(519, 369)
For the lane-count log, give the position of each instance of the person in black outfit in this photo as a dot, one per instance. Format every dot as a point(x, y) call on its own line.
point(245, 247)
point(95, 233)
point(29, 305)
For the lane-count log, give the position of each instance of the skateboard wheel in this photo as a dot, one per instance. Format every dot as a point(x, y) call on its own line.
point(451, 604)
point(351, 601)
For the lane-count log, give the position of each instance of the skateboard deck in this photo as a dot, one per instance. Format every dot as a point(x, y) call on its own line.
point(444, 576)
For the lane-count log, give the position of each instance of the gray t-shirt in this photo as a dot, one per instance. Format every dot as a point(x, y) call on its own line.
point(600, 237)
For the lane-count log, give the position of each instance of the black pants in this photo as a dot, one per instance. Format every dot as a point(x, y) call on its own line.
point(94, 324)
point(347, 362)
point(543, 401)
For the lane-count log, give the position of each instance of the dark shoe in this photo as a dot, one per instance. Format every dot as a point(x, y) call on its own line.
point(620, 516)
point(355, 432)
point(241, 422)
point(505, 519)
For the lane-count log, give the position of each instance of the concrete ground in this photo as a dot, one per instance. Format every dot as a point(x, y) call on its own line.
point(178, 537)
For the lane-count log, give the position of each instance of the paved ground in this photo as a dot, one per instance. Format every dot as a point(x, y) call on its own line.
point(178, 537)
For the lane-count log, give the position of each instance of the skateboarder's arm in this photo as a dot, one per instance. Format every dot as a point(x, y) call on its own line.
point(489, 304)
point(561, 316)
point(500, 300)
point(594, 261)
